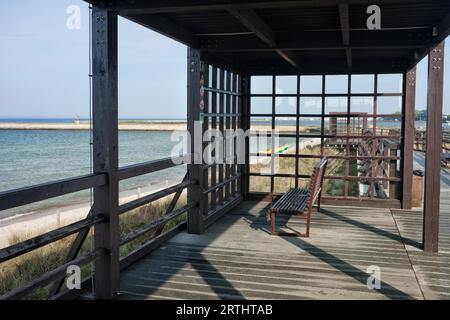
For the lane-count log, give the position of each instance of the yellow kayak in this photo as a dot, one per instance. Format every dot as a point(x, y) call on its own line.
point(279, 150)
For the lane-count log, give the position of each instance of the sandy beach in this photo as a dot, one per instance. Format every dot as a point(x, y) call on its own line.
point(33, 223)
point(127, 126)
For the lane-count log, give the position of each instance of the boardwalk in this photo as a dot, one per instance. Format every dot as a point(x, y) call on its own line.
point(238, 259)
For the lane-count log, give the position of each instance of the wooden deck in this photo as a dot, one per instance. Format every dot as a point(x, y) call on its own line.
point(238, 259)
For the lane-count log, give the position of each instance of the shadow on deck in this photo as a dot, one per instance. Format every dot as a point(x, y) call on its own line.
point(237, 259)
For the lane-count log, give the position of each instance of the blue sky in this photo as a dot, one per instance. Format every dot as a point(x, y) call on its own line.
point(44, 66)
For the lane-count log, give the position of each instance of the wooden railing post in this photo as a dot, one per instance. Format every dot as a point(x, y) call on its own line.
point(393, 186)
point(195, 218)
point(408, 137)
point(245, 125)
point(105, 149)
point(433, 148)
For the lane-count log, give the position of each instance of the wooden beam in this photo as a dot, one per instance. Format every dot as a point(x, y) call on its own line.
point(105, 150)
point(245, 125)
point(254, 23)
point(24, 196)
point(440, 32)
point(166, 27)
point(320, 40)
point(345, 30)
point(34, 243)
point(168, 6)
point(195, 218)
point(289, 56)
point(433, 154)
point(151, 166)
point(329, 66)
point(408, 137)
point(443, 28)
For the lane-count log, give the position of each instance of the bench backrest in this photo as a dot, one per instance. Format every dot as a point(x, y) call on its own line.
point(315, 186)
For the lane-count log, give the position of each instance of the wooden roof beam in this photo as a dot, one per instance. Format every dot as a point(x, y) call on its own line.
point(255, 24)
point(125, 7)
point(443, 28)
point(252, 21)
point(345, 30)
point(320, 40)
point(167, 28)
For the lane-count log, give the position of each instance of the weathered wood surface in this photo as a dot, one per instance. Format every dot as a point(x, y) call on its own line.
point(432, 270)
point(236, 258)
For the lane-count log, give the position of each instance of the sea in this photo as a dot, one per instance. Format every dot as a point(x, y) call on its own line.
point(31, 157)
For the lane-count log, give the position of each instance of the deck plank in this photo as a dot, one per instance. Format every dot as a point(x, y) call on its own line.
point(237, 258)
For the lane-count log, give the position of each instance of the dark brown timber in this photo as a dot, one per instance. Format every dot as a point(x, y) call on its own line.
point(408, 143)
point(105, 149)
point(433, 154)
point(194, 129)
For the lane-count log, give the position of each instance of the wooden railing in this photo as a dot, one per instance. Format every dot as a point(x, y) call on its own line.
point(420, 141)
point(23, 196)
point(381, 167)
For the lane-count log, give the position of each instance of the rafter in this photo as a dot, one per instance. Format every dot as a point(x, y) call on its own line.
point(252, 21)
point(345, 30)
point(320, 40)
point(255, 24)
point(443, 28)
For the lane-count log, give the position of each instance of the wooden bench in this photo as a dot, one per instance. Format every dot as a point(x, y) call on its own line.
point(298, 201)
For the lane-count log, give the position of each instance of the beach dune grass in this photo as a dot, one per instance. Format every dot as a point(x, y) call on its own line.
point(335, 167)
point(19, 271)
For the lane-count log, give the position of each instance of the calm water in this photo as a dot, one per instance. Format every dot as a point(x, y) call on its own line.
point(29, 157)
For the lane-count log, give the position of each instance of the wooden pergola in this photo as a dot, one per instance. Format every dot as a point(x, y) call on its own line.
point(274, 38)
point(229, 42)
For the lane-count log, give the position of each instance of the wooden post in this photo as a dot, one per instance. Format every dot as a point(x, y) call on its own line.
point(195, 219)
point(204, 178)
point(105, 149)
point(245, 125)
point(213, 102)
point(433, 154)
point(409, 86)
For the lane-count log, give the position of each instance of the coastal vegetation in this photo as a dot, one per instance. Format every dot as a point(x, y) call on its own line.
point(19, 271)
point(336, 167)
